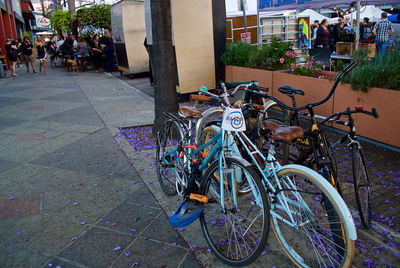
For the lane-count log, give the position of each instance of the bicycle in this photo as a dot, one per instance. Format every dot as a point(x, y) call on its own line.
point(309, 218)
point(183, 168)
point(314, 149)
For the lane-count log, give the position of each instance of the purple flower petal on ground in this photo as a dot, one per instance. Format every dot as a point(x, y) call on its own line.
point(134, 264)
point(114, 224)
point(75, 203)
point(127, 254)
point(117, 248)
point(11, 198)
point(133, 230)
point(95, 185)
point(50, 265)
point(82, 223)
point(58, 266)
point(73, 238)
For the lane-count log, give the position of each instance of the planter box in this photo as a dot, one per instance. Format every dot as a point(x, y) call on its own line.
point(242, 74)
point(315, 89)
point(384, 129)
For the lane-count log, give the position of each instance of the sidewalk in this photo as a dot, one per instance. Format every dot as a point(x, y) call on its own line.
point(75, 193)
point(69, 197)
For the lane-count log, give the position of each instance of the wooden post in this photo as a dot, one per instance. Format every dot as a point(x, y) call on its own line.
point(165, 96)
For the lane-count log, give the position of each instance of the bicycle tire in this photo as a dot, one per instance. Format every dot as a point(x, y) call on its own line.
point(215, 223)
point(329, 154)
point(362, 185)
point(309, 236)
point(169, 135)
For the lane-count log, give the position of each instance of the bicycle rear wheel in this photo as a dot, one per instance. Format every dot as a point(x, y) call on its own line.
point(169, 136)
point(320, 236)
point(362, 184)
point(238, 235)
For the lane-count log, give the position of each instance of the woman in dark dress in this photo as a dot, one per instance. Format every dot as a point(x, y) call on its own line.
point(51, 49)
point(323, 35)
point(12, 53)
point(107, 44)
point(41, 53)
point(97, 53)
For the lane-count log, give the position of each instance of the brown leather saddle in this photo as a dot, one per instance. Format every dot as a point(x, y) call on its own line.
point(284, 133)
point(188, 112)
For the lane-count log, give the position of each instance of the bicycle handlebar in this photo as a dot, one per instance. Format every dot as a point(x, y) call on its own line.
point(347, 112)
point(309, 105)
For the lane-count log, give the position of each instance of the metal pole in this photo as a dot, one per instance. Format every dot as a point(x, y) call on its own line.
point(244, 15)
point(358, 24)
point(259, 40)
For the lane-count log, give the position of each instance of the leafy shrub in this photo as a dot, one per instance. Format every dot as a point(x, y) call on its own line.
point(383, 72)
point(60, 20)
point(272, 56)
point(238, 54)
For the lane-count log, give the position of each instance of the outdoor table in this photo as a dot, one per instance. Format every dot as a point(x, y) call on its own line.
point(340, 57)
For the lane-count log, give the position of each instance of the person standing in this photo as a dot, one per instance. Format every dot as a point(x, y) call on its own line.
point(41, 53)
point(51, 49)
point(383, 30)
point(12, 54)
point(339, 28)
point(97, 53)
point(314, 32)
point(107, 45)
point(27, 53)
point(323, 35)
point(366, 35)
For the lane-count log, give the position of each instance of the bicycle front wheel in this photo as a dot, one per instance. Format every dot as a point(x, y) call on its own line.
point(237, 235)
point(308, 222)
point(361, 186)
point(169, 136)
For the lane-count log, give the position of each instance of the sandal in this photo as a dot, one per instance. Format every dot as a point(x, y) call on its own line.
point(14, 75)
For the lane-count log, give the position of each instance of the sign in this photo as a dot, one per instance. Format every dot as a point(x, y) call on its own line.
point(304, 32)
point(246, 37)
point(233, 120)
point(42, 22)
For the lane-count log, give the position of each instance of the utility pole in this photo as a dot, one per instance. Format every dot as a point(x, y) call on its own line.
point(165, 96)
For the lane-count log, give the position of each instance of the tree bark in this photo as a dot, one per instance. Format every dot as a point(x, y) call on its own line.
point(74, 25)
point(165, 96)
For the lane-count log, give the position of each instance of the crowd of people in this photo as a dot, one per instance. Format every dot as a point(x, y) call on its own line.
point(99, 50)
point(326, 36)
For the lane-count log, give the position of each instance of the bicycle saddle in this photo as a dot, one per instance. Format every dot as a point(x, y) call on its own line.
point(189, 112)
point(288, 90)
point(284, 133)
point(187, 213)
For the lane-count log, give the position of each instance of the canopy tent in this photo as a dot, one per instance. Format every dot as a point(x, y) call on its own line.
point(274, 5)
point(312, 14)
point(371, 12)
point(395, 18)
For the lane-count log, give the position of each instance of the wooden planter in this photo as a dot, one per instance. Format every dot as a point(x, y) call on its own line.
point(242, 74)
point(385, 129)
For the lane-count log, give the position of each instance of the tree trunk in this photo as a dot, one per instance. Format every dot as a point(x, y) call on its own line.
point(71, 10)
point(165, 96)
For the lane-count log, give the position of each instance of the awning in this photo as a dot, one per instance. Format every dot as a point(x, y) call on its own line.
point(26, 7)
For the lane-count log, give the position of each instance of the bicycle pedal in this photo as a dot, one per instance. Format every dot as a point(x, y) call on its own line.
point(198, 197)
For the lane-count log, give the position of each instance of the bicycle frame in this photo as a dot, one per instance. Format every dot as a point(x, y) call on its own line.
point(273, 185)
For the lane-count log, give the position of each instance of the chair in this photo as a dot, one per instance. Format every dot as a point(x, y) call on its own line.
point(322, 55)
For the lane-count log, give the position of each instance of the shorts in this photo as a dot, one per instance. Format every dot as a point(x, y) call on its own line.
point(29, 58)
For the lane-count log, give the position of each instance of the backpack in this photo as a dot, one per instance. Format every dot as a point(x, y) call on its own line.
point(367, 32)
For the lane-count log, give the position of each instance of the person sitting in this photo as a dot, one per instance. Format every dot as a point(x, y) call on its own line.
point(82, 51)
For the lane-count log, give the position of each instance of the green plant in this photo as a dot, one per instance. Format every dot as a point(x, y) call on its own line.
point(95, 16)
point(276, 55)
point(237, 54)
point(383, 72)
point(60, 20)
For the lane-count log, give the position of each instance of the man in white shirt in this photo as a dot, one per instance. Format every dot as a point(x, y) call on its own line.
point(60, 42)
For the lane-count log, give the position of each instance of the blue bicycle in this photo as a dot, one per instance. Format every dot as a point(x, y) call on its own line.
point(235, 225)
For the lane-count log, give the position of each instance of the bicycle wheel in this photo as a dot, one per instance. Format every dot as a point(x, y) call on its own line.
point(238, 235)
point(169, 136)
point(361, 185)
point(331, 161)
point(319, 236)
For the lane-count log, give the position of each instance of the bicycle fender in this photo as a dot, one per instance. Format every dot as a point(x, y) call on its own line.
point(205, 115)
point(348, 218)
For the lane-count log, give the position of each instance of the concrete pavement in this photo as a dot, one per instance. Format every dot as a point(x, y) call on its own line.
point(75, 193)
